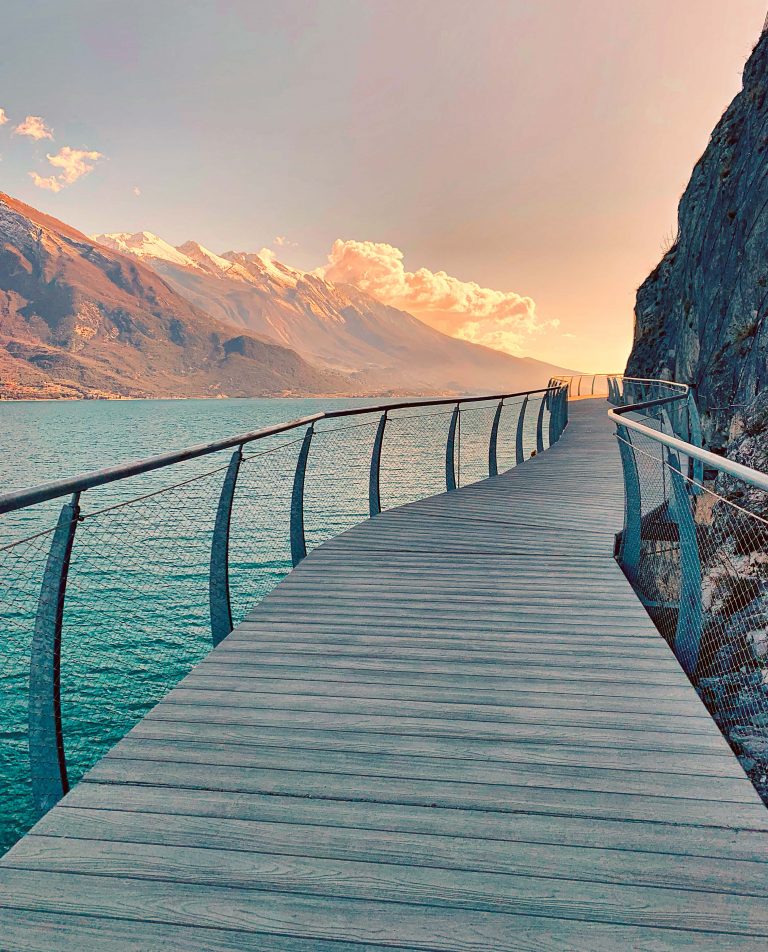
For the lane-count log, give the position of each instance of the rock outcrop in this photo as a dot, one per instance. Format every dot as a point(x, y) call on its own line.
point(702, 314)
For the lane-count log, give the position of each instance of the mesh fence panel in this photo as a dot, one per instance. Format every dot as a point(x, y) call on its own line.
point(22, 563)
point(259, 534)
point(336, 484)
point(473, 434)
point(505, 452)
point(413, 455)
point(702, 575)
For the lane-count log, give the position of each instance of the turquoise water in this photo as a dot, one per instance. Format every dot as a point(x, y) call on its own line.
point(136, 612)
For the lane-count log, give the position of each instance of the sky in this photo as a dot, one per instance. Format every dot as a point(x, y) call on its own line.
point(507, 170)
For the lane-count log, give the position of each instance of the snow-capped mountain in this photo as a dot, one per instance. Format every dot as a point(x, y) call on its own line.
point(81, 320)
point(336, 325)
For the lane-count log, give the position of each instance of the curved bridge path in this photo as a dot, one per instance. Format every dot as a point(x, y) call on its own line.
point(451, 728)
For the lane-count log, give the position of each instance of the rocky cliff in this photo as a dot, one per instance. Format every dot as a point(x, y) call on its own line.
point(701, 314)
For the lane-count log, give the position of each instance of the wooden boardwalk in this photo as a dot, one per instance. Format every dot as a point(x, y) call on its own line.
point(451, 728)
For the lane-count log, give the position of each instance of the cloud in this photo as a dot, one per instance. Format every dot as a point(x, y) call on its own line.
point(51, 182)
point(136, 190)
point(73, 163)
point(570, 336)
point(34, 127)
point(499, 319)
point(282, 242)
point(3, 117)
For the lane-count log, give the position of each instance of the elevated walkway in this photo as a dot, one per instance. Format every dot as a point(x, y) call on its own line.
point(452, 727)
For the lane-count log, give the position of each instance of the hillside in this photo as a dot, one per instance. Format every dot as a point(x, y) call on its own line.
point(77, 319)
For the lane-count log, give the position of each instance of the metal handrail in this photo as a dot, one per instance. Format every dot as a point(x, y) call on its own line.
point(745, 473)
point(10, 502)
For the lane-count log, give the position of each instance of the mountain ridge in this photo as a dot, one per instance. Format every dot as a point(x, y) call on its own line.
point(338, 326)
point(76, 319)
point(79, 318)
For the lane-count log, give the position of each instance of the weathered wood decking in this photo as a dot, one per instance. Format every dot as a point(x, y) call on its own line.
point(453, 727)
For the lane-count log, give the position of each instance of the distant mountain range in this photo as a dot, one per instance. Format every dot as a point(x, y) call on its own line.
point(130, 315)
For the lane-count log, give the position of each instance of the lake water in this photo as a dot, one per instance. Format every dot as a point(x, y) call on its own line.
point(136, 613)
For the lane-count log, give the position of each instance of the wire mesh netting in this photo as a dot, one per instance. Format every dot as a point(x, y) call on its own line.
point(701, 570)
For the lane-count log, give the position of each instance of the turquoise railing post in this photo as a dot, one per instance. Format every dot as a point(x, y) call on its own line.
point(695, 437)
point(519, 451)
point(563, 414)
point(374, 474)
point(539, 427)
point(218, 576)
point(493, 462)
point(629, 554)
point(690, 611)
point(554, 418)
point(46, 738)
point(298, 539)
point(450, 452)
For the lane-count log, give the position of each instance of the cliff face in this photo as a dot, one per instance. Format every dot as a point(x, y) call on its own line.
point(701, 314)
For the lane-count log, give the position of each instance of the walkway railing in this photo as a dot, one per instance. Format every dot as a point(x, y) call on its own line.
point(586, 385)
point(110, 598)
point(694, 546)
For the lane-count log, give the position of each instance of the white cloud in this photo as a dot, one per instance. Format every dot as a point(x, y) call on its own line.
point(34, 127)
point(73, 163)
point(570, 336)
point(3, 117)
point(282, 242)
point(499, 319)
point(51, 182)
point(136, 190)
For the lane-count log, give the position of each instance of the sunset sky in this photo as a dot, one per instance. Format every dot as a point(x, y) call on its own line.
point(508, 170)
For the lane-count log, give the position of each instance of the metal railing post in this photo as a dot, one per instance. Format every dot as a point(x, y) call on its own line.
point(629, 554)
point(218, 577)
point(690, 612)
point(519, 451)
point(563, 411)
point(374, 484)
point(539, 428)
point(695, 437)
point(552, 426)
point(493, 462)
point(450, 452)
point(46, 738)
point(298, 539)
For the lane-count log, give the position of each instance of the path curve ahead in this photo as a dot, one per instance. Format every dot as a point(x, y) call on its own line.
point(451, 728)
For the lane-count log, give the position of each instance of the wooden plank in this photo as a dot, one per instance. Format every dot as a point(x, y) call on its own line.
point(449, 769)
point(686, 839)
point(511, 857)
point(321, 920)
point(490, 797)
point(510, 750)
point(448, 888)
point(695, 722)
